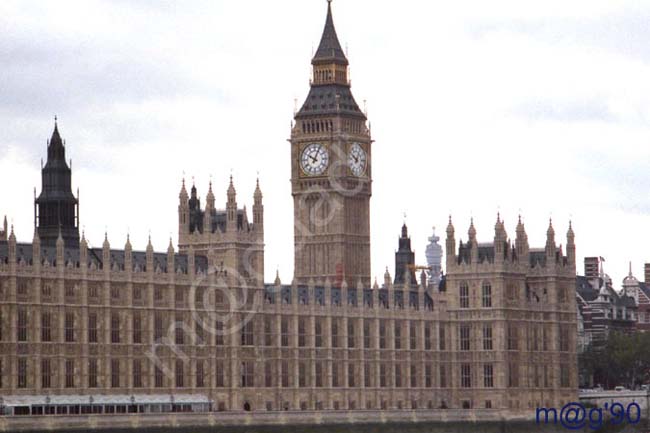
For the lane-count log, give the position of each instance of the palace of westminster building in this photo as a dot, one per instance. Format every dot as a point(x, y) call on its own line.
point(497, 332)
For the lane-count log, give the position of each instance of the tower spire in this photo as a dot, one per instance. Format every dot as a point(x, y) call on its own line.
point(58, 209)
point(329, 48)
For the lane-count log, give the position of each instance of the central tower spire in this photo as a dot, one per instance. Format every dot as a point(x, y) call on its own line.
point(329, 63)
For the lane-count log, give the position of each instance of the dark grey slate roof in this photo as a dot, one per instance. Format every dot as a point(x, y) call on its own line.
point(485, 252)
point(590, 294)
point(645, 288)
point(585, 289)
point(329, 48)
point(24, 251)
point(330, 99)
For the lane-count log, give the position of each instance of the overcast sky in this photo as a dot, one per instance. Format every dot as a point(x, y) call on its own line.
point(538, 108)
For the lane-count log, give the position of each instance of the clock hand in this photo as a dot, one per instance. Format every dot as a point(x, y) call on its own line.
point(313, 158)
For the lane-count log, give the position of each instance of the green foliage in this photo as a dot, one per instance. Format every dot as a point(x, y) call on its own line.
point(622, 359)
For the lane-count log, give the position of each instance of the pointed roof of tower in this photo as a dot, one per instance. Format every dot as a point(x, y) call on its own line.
point(471, 232)
point(231, 189)
point(56, 150)
point(56, 137)
point(450, 227)
point(550, 232)
point(183, 194)
point(277, 277)
point(520, 225)
point(329, 48)
point(570, 235)
point(258, 191)
point(330, 97)
point(210, 197)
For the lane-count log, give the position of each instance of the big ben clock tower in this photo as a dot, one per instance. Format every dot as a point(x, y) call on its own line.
point(331, 174)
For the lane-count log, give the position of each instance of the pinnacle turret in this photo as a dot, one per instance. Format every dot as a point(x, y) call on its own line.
point(183, 194)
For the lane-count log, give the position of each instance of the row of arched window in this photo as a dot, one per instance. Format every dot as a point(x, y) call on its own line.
point(315, 126)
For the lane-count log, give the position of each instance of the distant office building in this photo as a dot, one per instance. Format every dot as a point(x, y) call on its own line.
point(433, 254)
point(640, 292)
point(602, 308)
point(593, 267)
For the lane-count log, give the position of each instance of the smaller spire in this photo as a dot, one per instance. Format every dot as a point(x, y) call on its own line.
point(170, 248)
point(128, 242)
point(258, 191)
point(210, 196)
point(450, 228)
point(550, 232)
point(277, 281)
point(472, 231)
point(106, 244)
point(183, 194)
point(59, 241)
point(520, 225)
point(231, 191)
point(375, 286)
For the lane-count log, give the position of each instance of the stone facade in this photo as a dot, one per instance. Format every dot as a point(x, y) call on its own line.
point(91, 320)
point(497, 332)
point(518, 302)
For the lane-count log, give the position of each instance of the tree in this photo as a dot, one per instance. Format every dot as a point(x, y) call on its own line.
point(622, 359)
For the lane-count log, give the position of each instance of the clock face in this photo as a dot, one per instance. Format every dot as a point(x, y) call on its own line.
point(314, 159)
point(357, 159)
